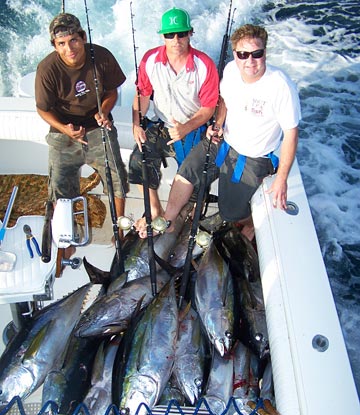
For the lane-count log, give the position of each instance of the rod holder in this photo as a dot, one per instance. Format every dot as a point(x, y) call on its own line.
point(64, 223)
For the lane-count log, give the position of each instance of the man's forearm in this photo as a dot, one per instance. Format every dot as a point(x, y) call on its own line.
point(50, 119)
point(109, 101)
point(220, 113)
point(144, 106)
point(288, 152)
point(200, 118)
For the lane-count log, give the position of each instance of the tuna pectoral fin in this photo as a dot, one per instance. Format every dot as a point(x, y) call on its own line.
point(36, 342)
point(99, 363)
point(183, 313)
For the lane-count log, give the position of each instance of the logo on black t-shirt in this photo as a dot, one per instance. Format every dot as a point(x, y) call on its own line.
point(80, 88)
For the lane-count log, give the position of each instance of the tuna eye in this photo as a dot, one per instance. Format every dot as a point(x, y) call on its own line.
point(197, 382)
point(228, 335)
point(259, 337)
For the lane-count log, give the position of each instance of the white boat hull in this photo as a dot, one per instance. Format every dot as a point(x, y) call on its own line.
point(312, 373)
point(308, 352)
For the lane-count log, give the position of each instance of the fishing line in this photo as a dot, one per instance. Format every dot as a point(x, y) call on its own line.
point(104, 131)
point(147, 206)
point(141, 118)
point(105, 139)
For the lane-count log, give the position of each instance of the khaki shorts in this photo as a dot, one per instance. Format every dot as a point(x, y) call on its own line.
point(66, 157)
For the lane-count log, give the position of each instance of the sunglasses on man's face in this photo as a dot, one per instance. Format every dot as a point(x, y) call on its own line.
point(180, 35)
point(256, 54)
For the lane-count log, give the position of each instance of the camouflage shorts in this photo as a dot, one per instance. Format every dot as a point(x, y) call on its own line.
point(66, 157)
point(156, 150)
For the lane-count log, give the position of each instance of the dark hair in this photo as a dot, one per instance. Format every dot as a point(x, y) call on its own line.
point(249, 31)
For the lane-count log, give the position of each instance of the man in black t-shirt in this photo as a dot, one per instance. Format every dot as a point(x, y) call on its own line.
point(66, 98)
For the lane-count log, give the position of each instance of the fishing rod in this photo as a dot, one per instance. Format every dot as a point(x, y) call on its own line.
point(46, 241)
point(105, 137)
point(202, 189)
point(225, 42)
point(146, 193)
point(221, 66)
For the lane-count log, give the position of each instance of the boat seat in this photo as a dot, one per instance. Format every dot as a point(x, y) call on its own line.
point(30, 279)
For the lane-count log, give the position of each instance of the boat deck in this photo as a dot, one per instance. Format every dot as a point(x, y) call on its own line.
point(307, 347)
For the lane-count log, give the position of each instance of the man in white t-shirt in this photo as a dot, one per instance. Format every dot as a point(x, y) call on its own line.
point(259, 108)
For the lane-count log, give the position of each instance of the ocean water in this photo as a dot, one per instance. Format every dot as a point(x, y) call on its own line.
point(316, 42)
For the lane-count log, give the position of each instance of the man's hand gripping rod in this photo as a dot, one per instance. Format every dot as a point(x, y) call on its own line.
point(104, 134)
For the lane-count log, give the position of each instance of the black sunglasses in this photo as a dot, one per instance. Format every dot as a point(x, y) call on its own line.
point(180, 35)
point(256, 54)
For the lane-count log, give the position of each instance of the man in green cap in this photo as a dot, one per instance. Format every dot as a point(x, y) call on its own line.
point(66, 99)
point(183, 84)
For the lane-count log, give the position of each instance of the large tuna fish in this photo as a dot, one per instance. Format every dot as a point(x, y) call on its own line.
point(214, 299)
point(110, 314)
point(39, 346)
point(189, 366)
point(244, 265)
point(135, 254)
point(68, 385)
point(148, 364)
point(98, 398)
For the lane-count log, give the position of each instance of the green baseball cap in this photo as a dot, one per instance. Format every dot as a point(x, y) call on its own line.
point(175, 20)
point(64, 24)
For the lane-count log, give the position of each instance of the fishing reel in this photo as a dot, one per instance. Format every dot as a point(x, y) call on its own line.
point(159, 224)
point(203, 239)
point(125, 223)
